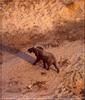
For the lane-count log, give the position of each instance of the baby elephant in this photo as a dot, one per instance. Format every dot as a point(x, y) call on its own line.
point(47, 58)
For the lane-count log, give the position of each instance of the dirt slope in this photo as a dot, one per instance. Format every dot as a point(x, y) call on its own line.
point(23, 80)
point(26, 22)
point(57, 25)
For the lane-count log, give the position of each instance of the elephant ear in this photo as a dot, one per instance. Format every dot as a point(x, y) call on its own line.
point(40, 47)
point(35, 50)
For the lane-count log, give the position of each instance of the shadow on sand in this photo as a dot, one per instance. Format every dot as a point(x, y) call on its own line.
point(16, 52)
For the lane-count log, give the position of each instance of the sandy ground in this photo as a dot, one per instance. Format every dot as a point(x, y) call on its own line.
point(48, 23)
point(23, 81)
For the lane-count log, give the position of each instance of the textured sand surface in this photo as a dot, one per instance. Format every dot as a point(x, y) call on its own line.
point(21, 79)
point(58, 26)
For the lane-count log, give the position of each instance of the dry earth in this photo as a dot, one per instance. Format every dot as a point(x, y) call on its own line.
point(22, 80)
point(57, 25)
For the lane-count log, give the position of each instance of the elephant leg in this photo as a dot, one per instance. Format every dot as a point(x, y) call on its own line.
point(48, 66)
point(56, 67)
point(37, 60)
point(44, 64)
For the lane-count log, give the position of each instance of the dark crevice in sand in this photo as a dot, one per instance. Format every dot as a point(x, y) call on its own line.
point(16, 52)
